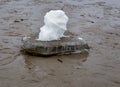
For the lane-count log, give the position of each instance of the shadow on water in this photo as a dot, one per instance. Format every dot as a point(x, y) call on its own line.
point(82, 55)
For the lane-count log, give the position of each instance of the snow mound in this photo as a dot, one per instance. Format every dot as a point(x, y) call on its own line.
point(55, 24)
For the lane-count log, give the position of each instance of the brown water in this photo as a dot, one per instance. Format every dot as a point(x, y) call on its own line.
point(97, 21)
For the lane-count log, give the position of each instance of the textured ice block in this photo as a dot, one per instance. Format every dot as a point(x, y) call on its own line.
point(66, 45)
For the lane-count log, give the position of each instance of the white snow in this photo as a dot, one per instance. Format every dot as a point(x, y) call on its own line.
point(55, 24)
point(80, 38)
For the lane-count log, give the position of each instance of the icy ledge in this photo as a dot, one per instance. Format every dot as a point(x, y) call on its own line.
point(66, 45)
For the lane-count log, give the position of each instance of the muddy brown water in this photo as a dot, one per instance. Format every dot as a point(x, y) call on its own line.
point(96, 21)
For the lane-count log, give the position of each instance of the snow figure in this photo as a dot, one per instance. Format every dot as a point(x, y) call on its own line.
point(55, 22)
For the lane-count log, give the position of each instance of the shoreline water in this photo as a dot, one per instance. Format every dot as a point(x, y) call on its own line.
point(96, 21)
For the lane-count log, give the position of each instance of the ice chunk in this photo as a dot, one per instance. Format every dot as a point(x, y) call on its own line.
point(55, 24)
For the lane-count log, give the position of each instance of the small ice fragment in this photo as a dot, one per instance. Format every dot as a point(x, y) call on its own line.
point(25, 37)
point(80, 38)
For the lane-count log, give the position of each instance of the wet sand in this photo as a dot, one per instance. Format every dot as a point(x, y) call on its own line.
point(96, 21)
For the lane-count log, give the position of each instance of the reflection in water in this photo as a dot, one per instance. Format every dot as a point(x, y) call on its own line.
point(39, 68)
